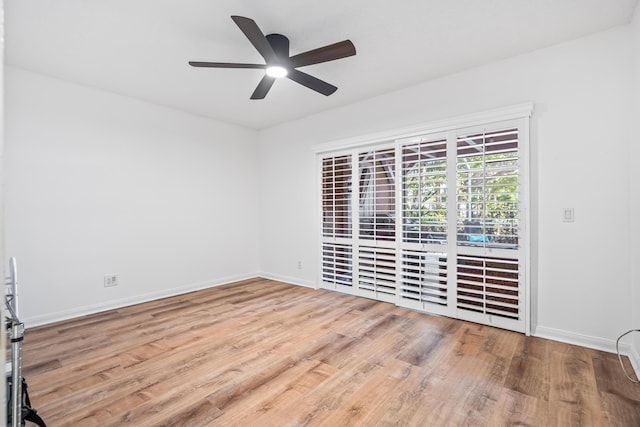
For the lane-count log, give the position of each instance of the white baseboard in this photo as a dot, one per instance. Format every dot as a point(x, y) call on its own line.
point(287, 279)
point(591, 342)
point(136, 299)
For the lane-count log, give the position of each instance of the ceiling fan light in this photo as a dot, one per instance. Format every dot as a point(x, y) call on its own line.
point(276, 71)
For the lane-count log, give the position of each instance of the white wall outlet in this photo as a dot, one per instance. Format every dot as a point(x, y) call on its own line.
point(569, 215)
point(299, 265)
point(110, 280)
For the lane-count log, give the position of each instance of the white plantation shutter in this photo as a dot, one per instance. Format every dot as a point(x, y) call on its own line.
point(337, 257)
point(488, 272)
point(377, 200)
point(424, 192)
point(336, 188)
point(487, 188)
point(423, 280)
point(432, 221)
point(377, 228)
point(377, 272)
point(336, 264)
point(488, 285)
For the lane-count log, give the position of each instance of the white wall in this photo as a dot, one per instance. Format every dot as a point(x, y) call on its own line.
point(3, 409)
point(579, 137)
point(97, 183)
point(634, 193)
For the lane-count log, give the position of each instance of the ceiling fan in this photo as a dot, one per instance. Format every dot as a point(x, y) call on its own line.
point(274, 48)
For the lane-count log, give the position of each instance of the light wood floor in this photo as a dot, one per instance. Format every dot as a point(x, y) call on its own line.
point(263, 353)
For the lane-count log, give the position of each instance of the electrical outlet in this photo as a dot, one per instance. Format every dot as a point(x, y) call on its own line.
point(569, 215)
point(299, 265)
point(110, 280)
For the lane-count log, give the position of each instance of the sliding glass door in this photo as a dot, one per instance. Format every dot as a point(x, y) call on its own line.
point(432, 222)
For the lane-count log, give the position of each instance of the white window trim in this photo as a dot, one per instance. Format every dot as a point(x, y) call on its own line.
point(517, 111)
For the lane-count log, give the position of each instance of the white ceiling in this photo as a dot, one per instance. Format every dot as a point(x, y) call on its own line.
point(140, 48)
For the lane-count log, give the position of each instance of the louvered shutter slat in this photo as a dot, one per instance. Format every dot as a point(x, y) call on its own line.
point(336, 264)
point(424, 209)
point(377, 271)
point(377, 194)
point(424, 276)
point(488, 285)
point(336, 221)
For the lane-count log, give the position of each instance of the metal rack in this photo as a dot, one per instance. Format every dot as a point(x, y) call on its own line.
point(15, 333)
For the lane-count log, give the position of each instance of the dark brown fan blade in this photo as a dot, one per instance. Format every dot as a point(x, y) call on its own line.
point(323, 54)
point(256, 37)
point(224, 65)
point(311, 82)
point(263, 87)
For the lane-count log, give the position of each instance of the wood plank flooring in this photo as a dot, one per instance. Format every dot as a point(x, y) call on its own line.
point(264, 353)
